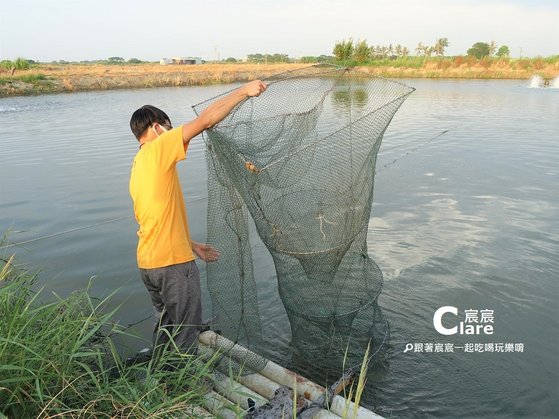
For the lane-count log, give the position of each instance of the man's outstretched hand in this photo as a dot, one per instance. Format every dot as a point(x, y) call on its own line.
point(205, 252)
point(254, 88)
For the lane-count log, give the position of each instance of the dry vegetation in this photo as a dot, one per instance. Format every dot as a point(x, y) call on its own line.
point(56, 78)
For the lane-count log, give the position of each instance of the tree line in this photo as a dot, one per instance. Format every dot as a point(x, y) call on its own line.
point(345, 51)
point(361, 52)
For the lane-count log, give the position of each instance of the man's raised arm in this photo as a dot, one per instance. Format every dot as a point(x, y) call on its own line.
point(220, 109)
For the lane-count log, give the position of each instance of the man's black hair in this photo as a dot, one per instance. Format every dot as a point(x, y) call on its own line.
point(144, 117)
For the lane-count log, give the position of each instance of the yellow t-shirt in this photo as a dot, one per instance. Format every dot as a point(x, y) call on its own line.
point(164, 238)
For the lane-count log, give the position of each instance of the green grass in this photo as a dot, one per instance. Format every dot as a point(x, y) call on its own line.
point(448, 61)
point(31, 78)
point(405, 62)
point(58, 358)
point(26, 78)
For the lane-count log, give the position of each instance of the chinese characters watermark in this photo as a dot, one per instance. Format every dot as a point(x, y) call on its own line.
point(476, 322)
point(491, 347)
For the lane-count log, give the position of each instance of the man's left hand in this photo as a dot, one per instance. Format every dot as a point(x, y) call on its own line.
point(205, 251)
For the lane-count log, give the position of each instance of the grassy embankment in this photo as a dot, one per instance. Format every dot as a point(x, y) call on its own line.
point(58, 359)
point(56, 78)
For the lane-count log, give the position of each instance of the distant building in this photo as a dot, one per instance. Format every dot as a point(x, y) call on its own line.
point(181, 60)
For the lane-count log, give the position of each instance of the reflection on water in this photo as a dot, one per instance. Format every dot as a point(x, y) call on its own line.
point(469, 220)
point(345, 98)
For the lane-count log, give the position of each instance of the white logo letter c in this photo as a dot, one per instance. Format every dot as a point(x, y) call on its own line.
point(437, 320)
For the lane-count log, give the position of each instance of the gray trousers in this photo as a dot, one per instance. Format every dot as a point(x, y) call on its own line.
point(176, 297)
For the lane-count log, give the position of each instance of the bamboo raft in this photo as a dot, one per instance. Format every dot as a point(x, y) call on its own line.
point(230, 396)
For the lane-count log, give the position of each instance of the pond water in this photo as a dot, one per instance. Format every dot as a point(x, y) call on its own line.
point(467, 219)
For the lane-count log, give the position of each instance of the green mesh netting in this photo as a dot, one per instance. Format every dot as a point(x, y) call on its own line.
point(300, 160)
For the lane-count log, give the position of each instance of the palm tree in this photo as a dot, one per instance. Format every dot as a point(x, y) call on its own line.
point(385, 51)
point(377, 52)
point(492, 48)
point(440, 45)
point(420, 49)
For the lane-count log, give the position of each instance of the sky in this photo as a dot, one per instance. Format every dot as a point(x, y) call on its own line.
point(152, 29)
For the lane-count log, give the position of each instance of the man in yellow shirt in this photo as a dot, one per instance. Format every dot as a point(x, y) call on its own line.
point(166, 253)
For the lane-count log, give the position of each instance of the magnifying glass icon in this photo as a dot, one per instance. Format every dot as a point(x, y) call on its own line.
point(409, 347)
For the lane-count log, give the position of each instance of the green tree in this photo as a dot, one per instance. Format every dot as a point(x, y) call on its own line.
point(503, 51)
point(278, 58)
point(115, 59)
point(231, 60)
point(265, 58)
point(343, 50)
point(362, 52)
point(308, 59)
point(479, 50)
point(134, 61)
point(255, 58)
point(6, 64)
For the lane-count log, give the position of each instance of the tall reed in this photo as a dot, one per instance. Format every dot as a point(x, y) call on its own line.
point(58, 358)
point(356, 390)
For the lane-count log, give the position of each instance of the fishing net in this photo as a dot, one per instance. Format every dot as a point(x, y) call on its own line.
point(300, 161)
